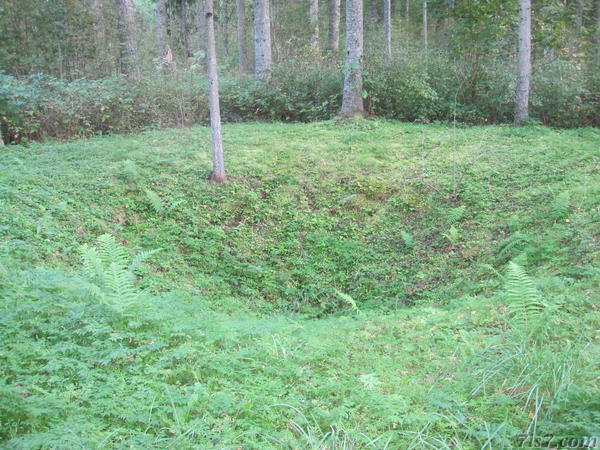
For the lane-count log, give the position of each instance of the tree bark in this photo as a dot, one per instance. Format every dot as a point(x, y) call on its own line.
point(240, 7)
point(314, 24)
point(524, 62)
point(425, 28)
point(126, 15)
point(387, 24)
point(164, 50)
point(406, 11)
point(334, 25)
point(201, 32)
point(352, 101)
point(598, 32)
point(218, 172)
point(262, 40)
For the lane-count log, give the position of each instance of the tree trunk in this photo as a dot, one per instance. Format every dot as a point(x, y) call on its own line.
point(129, 63)
point(372, 13)
point(524, 62)
point(598, 32)
point(352, 101)
point(262, 40)
point(201, 32)
point(387, 24)
point(314, 24)
point(334, 25)
point(240, 7)
point(407, 11)
point(184, 30)
point(425, 28)
point(218, 172)
point(164, 50)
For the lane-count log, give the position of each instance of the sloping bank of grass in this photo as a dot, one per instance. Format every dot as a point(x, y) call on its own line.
point(345, 288)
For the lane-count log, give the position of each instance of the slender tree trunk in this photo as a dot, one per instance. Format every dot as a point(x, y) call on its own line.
point(407, 10)
point(240, 7)
point(184, 30)
point(524, 62)
point(314, 24)
point(262, 40)
point(100, 34)
point(598, 32)
point(334, 25)
point(425, 29)
point(352, 101)
point(164, 49)
point(201, 32)
point(218, 172)
point(372, 13)
point(129, 63)
point(387, 24)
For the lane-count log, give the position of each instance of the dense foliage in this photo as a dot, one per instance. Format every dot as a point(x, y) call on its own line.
point(68, 83)
point(489, 234)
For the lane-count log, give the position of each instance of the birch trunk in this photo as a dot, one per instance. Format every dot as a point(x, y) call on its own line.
point(129, 64)
point(240, 7)
point(352, 101)
point(218, 172)
point(314, 24)
point(524, 62)
point(262, 40)
point(387, 24)
point(334, 25)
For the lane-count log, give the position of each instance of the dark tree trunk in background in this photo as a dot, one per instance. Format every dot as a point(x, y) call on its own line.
point(240, 7)
point(425, 28)
point(352, 101)
point(201, 32)
point(218, 172)
point(185, 31)
point(314, 24)
point(127, 27)
point(262, 40)
point(524, 62)
point(164, 49)
point(334, 25)
point(387, 26)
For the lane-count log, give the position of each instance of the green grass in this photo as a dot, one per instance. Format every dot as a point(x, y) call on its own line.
point(346, 288)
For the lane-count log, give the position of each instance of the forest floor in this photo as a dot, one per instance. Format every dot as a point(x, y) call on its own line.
point(353, 285)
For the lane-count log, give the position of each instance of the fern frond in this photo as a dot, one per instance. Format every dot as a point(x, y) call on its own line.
point(560, 206)
point(348, 300)
point(456, 214)
point(155, 201)
point(140, 258)
point(407, 238)
point(111, 251)
point(91, 264)
point(524, 302)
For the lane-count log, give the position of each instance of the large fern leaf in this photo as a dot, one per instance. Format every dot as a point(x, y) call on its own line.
point(524, 301)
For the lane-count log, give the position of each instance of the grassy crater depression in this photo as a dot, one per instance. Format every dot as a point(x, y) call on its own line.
point(347, 287)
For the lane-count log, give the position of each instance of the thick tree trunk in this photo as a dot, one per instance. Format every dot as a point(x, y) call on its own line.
point(218, 173)
point(334, 25)
point(240, 7)
point(262, 40)
point(352, 101)
point(524, 62)
point(129, 63)
point(387, 25)
point(425, 29)
point(314, 24)
point(164, 50)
